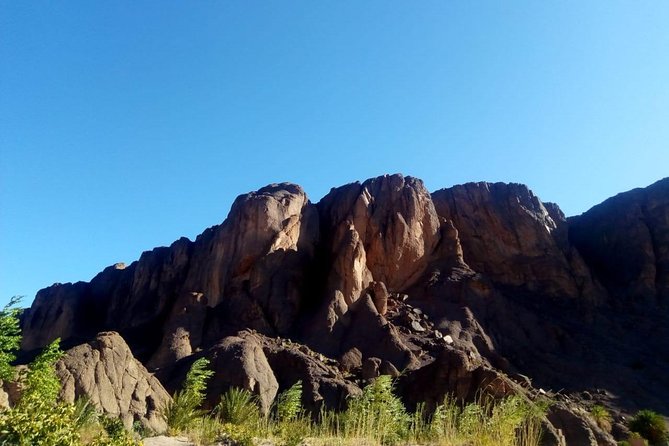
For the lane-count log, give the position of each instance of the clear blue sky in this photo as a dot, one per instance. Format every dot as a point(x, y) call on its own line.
point(125, 125)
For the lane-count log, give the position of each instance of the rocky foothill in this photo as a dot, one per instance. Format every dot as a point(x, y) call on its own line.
point(477, 287)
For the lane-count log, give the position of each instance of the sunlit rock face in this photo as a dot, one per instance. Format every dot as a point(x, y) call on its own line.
point(383, 230)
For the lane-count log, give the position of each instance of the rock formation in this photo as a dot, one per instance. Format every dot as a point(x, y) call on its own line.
point(105, 372)
point(456, 287)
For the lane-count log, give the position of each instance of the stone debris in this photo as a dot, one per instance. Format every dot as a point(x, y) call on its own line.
point(416, 326)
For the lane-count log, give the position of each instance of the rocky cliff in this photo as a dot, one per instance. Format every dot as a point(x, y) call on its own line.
point(475, 284)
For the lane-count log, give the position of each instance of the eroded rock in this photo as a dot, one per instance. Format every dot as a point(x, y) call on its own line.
point(105, 371)
point(239, 361)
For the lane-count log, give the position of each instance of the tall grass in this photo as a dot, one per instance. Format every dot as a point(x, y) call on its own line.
point(375, 418)
point(379, 418)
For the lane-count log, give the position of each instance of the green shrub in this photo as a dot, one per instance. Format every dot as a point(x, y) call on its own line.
point(10, 338)
point(184, 410)
point(292, 425)
point(377, 414)
point(289, 403)
point(115, 433)
point(38, 418)
point(238, 406)
point(41, 426)
point(204, 430)
point(444, 421)
point(239, 435)
point(650, 426)
point(84, 414)
point(512, 421)
point(602, 417)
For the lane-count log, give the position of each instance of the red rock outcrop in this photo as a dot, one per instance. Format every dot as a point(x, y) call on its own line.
point(385, 228)
point(384, 273)
point(382, 233)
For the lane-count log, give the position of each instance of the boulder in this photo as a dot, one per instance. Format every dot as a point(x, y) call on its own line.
point(370, 368)
point(323, 385)
point(351, 360)
point(4, 397)
point(387, 368)
point(577, 429)
point(105, 371)
point(239, 361)
point(379, 295)
point(452, 373)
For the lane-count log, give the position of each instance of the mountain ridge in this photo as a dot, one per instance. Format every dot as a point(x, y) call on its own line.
point(518, 288)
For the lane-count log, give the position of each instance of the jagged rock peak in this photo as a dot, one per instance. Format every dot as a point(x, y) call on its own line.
point(508, 234)
point(504, 196)
point(387, 225)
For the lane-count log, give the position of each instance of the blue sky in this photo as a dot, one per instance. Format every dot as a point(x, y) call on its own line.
point(125, 125)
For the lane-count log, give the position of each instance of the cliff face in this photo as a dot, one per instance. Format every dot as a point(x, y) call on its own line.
point(625, 241)
point(510, 281)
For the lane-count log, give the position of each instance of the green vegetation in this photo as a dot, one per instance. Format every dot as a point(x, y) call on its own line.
point(184, 411)
point(237, 406)
point(10, 338)
point(651, 426)
point(377, 417)
point(601, 417)
point(39, 418)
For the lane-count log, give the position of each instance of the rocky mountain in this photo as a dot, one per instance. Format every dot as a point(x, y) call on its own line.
point(477, 286)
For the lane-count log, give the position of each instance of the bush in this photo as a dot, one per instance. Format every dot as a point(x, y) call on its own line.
point(184, 410)
point(115, 434)
point(38, 418)
point(377, 414)
point(650, 426)
point(238, 406)
point(239, 435)
point(292, 424)
point(10, 338)
point(289, 403)
point(512, 421)
point(602, 417)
